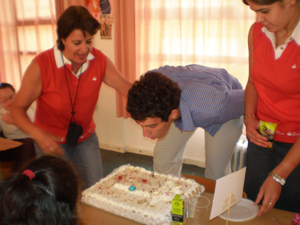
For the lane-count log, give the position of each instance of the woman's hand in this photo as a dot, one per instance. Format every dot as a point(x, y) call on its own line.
point(252, 127)
point(270, 192)
point(47, 142)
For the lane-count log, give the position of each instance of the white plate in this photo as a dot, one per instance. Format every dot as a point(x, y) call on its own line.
point(243, 211)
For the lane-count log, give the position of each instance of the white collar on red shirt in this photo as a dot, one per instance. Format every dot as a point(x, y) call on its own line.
point(279, 50)
point(295, 35)
point(60, 62)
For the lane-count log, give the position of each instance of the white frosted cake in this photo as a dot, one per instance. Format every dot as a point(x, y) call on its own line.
point(140, 195)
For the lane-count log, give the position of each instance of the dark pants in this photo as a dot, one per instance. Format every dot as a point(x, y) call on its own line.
point(259, 162)
point(20, 155)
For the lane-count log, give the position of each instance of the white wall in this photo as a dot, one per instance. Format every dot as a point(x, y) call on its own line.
point(124, 135)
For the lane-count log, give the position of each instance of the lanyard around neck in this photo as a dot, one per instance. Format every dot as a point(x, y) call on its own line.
point(72, 104)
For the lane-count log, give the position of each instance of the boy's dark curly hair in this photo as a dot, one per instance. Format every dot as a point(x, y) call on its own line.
point(154, 95)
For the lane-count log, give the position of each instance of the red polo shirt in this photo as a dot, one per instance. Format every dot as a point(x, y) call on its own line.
point(277, 83)
point(53, 113)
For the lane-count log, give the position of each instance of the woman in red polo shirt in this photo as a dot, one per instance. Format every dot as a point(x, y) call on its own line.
point(65, 82)
point(272, 98)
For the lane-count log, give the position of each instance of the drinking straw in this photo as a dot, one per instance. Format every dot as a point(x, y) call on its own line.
point(228, 208)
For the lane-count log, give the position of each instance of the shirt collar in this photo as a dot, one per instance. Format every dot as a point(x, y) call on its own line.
point(295, 35)
point(60, 61)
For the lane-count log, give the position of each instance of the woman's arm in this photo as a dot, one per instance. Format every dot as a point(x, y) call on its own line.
point(251, 122)
point(271, 189)
point(31, 89)
point(115, 79)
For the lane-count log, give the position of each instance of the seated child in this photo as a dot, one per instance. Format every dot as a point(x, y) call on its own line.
point(26, 151)
point(46, 192)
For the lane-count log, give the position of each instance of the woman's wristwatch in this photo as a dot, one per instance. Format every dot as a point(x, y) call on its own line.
point(277, 178)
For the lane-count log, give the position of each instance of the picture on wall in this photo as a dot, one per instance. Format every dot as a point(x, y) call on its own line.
point(101, 9)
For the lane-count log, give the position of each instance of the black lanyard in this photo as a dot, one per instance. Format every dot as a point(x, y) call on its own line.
point(72, 104)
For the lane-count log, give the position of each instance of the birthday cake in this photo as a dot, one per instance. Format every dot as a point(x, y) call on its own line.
point(139, 194)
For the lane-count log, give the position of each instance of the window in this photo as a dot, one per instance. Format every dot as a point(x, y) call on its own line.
point(211, 33)
point(27, 27)
point(36, 29)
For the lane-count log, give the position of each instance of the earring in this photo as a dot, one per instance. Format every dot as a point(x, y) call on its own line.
point(291, 5)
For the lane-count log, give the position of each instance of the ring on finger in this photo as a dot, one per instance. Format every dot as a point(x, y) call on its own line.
point(270, 203)
point(51, 149)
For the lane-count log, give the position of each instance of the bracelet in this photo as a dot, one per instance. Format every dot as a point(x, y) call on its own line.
point(277, 178)
point(249, 115)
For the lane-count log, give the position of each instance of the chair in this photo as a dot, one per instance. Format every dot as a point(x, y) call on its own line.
point(238, 159)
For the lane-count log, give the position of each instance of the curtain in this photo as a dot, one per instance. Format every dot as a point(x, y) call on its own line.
point(9, 61)
point(212, 33)
point(124, 20)
point(27, 27)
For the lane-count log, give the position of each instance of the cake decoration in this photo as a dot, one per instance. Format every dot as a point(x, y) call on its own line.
point(131, 188)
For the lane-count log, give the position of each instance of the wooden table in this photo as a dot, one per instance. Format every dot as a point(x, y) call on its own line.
point(6, 144)
point(95, 216)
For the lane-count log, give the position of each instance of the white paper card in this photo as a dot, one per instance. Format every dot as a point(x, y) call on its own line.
point(230, 184)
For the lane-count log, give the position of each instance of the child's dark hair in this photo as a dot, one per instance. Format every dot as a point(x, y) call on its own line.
point(50, 198)
point(7, 85)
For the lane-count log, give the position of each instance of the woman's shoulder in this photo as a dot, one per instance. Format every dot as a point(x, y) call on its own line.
point(99, 58)
point(257, 25)
point(256, 33)
point(47, 54)
point(256, 28)
point(97, 53)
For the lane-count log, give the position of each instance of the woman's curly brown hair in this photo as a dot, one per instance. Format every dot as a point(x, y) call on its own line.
point(154, 95)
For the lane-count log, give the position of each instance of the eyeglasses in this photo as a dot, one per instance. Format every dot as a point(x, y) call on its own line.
point(8, 99)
